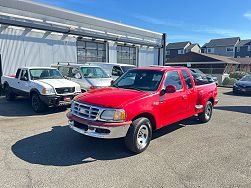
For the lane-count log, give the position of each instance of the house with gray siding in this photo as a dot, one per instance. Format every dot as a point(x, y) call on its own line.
point(243, 49)
point(223, 47)
point(180, 48)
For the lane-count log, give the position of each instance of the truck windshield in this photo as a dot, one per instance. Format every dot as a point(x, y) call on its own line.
point(93, 72)
point(38, 74)
point(141, 80)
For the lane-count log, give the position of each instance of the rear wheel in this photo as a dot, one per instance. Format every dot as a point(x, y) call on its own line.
point(9, 95)
point(139, 135)
point(206, 115)
point(36, 103)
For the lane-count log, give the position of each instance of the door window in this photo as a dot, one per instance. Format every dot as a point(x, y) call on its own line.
point(116, 71)
point(173, 78)
point(75, 73)
point(187, 78)
point(24, 75)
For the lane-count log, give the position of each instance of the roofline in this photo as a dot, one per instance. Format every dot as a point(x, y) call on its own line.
point(16, 5)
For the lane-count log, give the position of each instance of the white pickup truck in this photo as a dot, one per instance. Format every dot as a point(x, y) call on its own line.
point(44, 86)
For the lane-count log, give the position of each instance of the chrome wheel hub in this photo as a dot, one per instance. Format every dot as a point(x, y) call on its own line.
point(142, 136)
point(208, 112)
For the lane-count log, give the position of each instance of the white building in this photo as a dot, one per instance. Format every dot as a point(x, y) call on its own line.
point(33, 34)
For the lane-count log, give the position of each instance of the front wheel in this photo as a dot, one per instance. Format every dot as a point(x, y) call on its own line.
point(36, 103)
point(139, 135)
point(206, 115)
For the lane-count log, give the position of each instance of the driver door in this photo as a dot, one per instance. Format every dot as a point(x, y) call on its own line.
point(173, 106)
point(23, 84)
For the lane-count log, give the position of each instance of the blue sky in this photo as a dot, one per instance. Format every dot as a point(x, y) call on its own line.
point(182, 20)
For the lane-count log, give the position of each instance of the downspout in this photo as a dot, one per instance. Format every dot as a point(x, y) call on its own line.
point(164, 48)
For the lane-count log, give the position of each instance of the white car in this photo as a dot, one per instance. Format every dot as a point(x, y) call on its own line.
point(87, 76)
point(115, 70)
point(44, 86)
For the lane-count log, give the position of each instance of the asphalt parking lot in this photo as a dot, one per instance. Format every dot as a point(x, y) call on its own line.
point(41, 151)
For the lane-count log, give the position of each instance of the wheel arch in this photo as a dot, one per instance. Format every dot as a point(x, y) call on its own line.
point(211, 99)
point(148, 116)
point(32, 91)
point(5, 84)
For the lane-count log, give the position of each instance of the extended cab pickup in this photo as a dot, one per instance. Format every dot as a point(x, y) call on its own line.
point(44, 86)
point(139, 102)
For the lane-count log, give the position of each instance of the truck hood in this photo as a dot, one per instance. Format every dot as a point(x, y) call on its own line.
point(110, 97)
point(56, 83)
point(99, 82)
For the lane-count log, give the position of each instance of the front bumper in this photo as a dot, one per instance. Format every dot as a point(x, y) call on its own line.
point(98, 129)
point(57, 100)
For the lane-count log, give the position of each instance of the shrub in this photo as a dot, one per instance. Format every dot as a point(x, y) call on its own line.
point(237, 75)
point(229, 81)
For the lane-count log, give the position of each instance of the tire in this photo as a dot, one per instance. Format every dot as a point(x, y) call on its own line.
point(139, 135)
point(36, 103)
point(9, 95)
point(206, 115)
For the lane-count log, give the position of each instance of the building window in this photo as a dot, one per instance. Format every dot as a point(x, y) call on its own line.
point(126, 54)
point(230, 49)
point(210, 50)
point(168, 52)
point(238, 49)
point(249, 48)
point(181, 51)
point(88, 51)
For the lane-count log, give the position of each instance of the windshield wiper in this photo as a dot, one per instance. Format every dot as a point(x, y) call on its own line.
point(137, 89)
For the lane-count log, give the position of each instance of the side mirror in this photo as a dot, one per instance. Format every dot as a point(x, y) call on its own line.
point(170, 89)
point(24, 78)
point(112, 82)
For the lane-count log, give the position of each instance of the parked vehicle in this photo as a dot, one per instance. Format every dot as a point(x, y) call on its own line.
point(204, 76)
point(87, 76)
point(44, 86)
point(243, 86)
point(113, 69)
point(139, 102)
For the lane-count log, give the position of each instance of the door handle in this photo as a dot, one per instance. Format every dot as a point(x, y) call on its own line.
point(184, 97)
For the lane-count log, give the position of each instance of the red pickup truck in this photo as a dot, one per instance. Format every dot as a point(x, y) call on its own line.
point(139, 102)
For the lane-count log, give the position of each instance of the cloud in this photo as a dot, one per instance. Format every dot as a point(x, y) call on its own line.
point(157, 21)
point(247, 15)
point(201, 29)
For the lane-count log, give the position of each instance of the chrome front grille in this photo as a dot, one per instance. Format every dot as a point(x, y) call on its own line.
point(85, 111)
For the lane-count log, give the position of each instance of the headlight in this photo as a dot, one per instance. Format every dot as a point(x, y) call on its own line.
point(113, 115)
point(48, 91)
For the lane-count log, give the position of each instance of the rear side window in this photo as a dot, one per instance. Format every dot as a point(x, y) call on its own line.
point(18, 72)
point(187, 78)
point(173, 78)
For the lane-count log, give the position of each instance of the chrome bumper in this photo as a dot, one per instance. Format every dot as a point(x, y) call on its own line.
point(101, 131)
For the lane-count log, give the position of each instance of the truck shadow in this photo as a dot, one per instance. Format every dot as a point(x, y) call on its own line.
point(63, 147)
point(240, 109)
point(22, 107)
